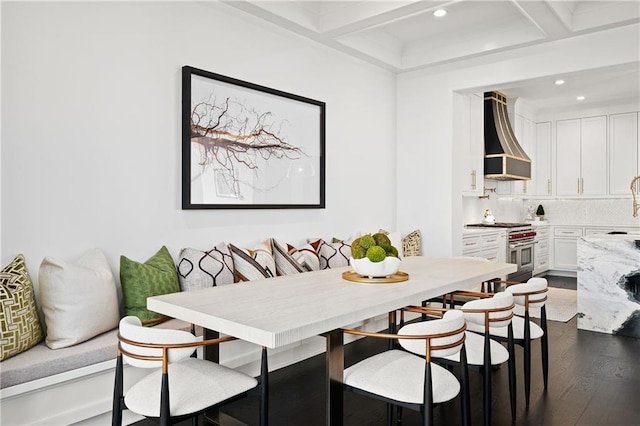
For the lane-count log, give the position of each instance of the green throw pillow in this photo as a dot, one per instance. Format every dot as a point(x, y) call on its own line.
point(154, 277)
point(18, 315)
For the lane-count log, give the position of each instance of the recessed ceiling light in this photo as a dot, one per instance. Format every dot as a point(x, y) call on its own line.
point(559, 82)
point(580, 98)
point(440, 13)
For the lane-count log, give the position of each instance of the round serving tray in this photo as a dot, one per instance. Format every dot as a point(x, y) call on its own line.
point(395, 278)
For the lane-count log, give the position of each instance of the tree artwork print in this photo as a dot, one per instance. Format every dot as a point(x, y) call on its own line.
point(247, 146)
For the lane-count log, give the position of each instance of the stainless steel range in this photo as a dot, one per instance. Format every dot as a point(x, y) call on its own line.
point(520, 245)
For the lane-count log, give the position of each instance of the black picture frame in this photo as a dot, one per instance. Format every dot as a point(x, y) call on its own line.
point(246, 146)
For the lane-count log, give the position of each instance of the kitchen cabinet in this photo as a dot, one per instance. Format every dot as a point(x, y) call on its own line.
point(525, 133)
point(581, 156)
point(490, 245)
point(541, 250)
point(541, 184)
point(564, 242)
point(565, 248)
point(624, 154)
point(469, 132)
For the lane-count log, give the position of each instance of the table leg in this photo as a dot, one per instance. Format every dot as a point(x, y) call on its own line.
point(211, 353)
point(335, 371)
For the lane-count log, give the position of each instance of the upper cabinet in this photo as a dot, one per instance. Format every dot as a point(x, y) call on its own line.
point(581, 156)
point(624, 155)
point(469, 131)
point(595, 156)
point(541, 169)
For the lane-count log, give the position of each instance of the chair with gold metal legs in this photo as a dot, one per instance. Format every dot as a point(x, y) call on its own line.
point(408, 378)
point(483, 352)
point(182, 386)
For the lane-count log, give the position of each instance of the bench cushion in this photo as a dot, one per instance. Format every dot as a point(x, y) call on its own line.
point(40, 361)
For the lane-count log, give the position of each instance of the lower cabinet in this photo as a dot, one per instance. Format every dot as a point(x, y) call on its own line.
point(565, 254)
point(541, 250)
point(565, 248)
point(491, 246)
point(565, 243)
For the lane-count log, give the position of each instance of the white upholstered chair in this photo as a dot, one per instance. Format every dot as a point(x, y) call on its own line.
point(531, 294)
point(484, 313)
point(181, 386)
point(408, 378)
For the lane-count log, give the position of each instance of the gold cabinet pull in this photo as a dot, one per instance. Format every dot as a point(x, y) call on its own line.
point(473, 179)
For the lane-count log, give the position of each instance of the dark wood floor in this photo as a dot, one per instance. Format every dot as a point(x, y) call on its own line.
point(594, 379)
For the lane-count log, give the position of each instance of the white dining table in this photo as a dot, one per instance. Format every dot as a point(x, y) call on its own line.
point(278, 311)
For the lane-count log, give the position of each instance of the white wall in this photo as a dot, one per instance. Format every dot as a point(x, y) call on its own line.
point(91, 140)
point(429, 195)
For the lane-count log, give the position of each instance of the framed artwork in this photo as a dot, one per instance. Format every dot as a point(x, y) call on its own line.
point(246, 146)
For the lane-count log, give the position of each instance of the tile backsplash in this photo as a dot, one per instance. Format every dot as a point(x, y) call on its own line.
point(611, 212)
point(614, 211)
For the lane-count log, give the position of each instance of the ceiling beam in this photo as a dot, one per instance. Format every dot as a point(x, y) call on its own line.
point(546, 18)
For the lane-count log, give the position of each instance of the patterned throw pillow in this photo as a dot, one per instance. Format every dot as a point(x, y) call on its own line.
point(291, 260)
point(79, 299)
point(253, 264)
point(335, 254)
point(202, 269)
point(154, 277)
point(411, 244)
point(18, 317)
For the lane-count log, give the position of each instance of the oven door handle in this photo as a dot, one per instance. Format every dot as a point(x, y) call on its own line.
point(517, 245)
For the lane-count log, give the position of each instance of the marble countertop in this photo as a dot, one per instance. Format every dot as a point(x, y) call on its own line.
point(471, 231)
point(539, 222)
point(606, 302)
point(622, 237)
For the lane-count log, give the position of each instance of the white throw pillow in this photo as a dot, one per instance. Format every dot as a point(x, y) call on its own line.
point(79, 299)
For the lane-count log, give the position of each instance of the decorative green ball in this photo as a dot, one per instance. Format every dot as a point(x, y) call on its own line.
point(391, 251)
point(367, 241)
point(382, 240)
point(358, 252)
point(355, 244)
point(376, 254)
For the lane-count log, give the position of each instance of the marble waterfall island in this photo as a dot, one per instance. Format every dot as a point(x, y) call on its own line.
point(609, 284)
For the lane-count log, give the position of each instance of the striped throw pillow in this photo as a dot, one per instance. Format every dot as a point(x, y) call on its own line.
point(291, 260)
point(253, 264)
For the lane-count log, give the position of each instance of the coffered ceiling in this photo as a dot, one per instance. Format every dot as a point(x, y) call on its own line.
point(405, 35)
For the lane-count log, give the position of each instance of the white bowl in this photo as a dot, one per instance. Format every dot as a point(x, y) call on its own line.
point(367, 268)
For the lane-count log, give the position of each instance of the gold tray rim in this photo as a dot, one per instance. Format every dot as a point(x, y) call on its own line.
point(395, 278)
